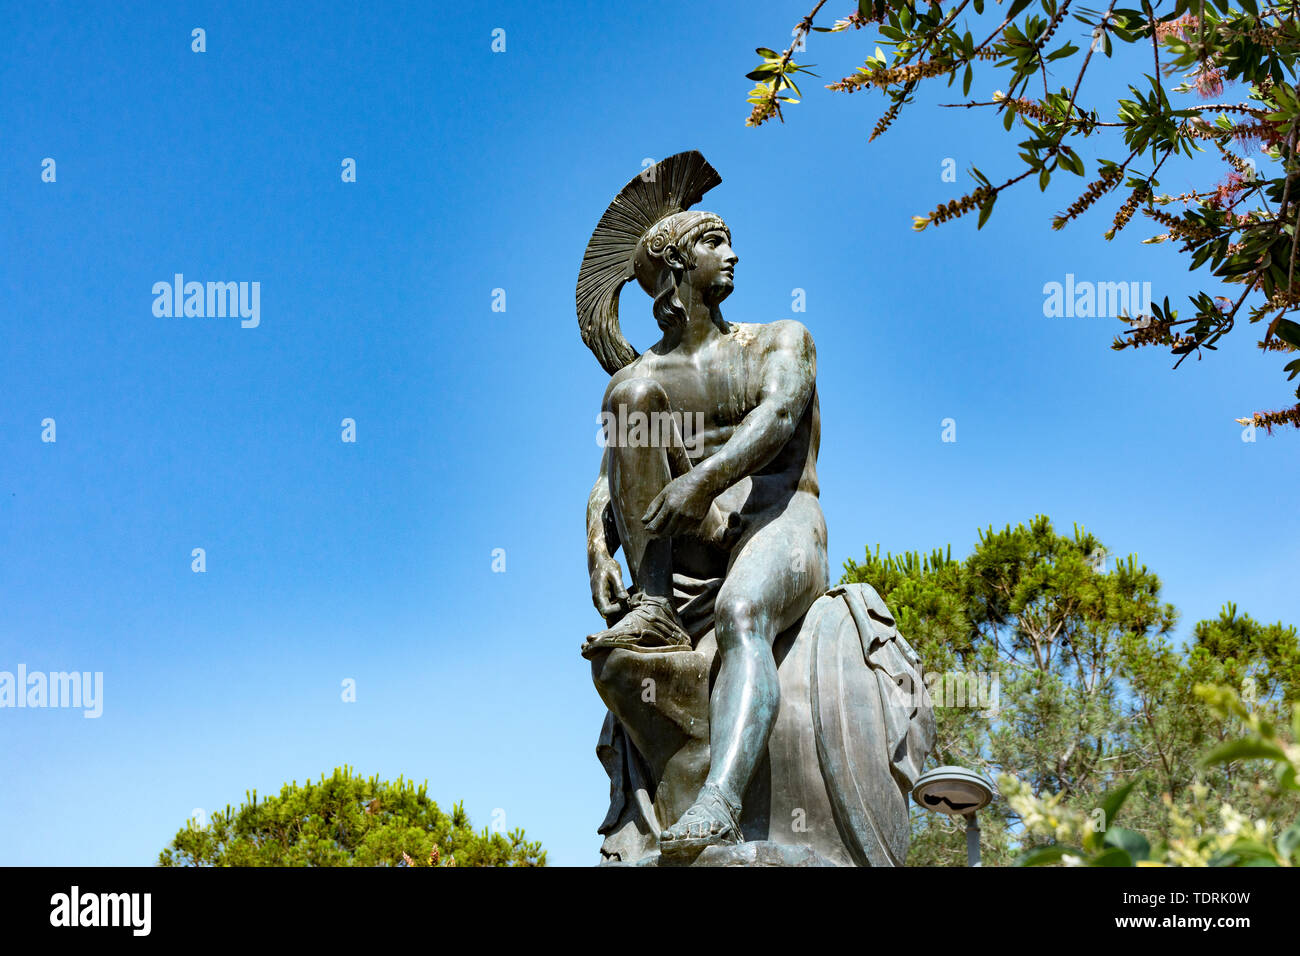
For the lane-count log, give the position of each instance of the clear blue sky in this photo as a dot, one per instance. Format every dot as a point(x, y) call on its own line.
point(476, 429)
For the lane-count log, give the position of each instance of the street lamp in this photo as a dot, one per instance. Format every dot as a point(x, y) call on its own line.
point(956, 792)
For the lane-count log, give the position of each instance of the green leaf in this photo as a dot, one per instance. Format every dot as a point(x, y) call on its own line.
point(1288, 332)
point(1248, 749)
point(1245, 851)
point(767, 54)
point(1114, 801)
point(1288, 842)
point(1048, 855)
point(1112, 857)
point(1130, 841)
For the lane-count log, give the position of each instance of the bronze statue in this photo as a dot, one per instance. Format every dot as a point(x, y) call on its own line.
point(726, 546)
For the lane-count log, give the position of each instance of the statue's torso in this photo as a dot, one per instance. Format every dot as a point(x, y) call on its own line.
point(723, 382)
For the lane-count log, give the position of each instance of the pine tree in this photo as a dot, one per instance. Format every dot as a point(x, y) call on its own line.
point(1091, 691)
point(346, 820)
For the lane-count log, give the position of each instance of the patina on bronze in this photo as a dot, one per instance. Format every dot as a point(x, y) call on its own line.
point(748, 704)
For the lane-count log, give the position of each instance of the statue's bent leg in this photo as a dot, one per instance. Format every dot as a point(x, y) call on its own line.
point(638, 470)
point(774, 579)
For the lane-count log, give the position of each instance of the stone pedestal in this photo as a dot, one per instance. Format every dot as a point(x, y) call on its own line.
point(757, 853)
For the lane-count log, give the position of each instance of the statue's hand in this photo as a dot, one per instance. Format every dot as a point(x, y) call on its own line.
point(607, 591)
point(679, 508)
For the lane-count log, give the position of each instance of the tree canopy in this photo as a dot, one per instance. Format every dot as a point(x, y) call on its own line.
point(346, 820)
point(1238, 220)
point(1069, 680)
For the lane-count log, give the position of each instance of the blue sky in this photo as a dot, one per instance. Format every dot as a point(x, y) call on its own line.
point(476, 429)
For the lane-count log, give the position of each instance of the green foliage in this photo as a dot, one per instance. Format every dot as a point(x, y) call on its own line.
point(1195, 837)
point(773, 74)
point(1238, 222)
point(346, 820)
point(1091, 694)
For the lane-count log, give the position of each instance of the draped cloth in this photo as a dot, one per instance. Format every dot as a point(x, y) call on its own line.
point(853, 731)
point(629, 787)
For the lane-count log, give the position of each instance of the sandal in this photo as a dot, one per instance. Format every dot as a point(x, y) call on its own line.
point(652, 623)
point(713, 820)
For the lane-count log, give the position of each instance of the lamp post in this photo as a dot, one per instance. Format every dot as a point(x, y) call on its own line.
point(956, 792)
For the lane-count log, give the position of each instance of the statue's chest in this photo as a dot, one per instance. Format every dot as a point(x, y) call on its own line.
point(722, 391)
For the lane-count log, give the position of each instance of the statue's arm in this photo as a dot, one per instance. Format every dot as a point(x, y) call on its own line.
point(789, 373)
point(607, 590)
point(602, 536)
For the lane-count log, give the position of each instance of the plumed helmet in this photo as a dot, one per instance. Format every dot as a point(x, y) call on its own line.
point(646, 217)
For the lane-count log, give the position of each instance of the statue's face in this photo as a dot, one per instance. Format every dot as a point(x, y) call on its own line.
point(714, 273)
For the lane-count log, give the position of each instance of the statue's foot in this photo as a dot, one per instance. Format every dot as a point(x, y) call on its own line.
point(711, 821)
point(652, 622)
